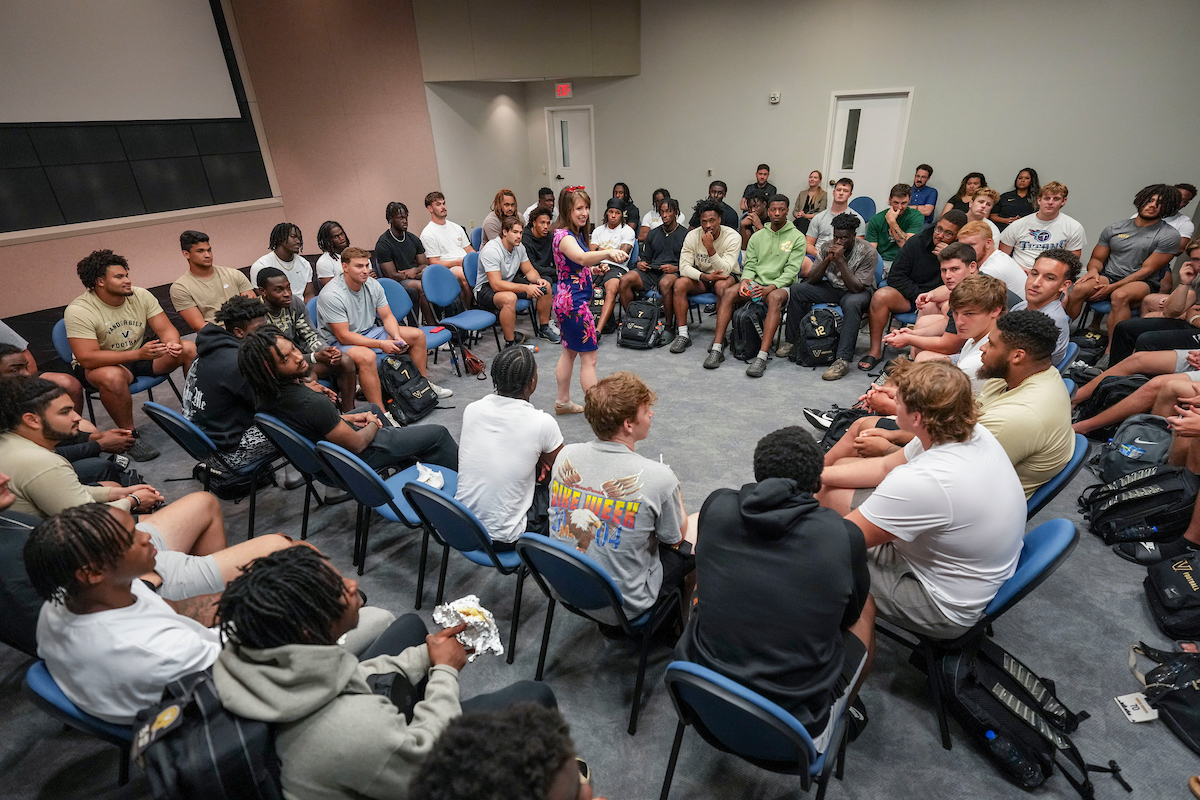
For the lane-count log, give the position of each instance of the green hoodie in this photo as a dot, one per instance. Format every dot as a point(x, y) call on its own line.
point(335, 739)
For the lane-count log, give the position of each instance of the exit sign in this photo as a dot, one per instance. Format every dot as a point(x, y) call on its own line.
point(562, 90)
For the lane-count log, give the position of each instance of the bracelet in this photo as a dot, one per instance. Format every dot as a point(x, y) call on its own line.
point(137, 502)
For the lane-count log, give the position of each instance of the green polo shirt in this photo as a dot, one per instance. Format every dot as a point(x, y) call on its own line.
point(878, 232)
point(774, 257)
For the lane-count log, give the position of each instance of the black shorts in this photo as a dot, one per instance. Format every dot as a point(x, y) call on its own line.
point(140, 369)
point(485, 295)
point(650, 279)
point(613, 274)
point(676, 566)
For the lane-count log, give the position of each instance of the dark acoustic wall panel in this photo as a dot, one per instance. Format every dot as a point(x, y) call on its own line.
point(61, 173)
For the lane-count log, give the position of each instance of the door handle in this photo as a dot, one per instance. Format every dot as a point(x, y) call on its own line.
point(831, 183)
point(558, 177)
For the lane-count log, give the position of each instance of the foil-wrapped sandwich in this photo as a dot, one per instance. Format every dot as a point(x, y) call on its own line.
point(481, 634)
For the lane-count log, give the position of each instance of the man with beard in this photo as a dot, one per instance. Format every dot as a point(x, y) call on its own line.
point(716, 192)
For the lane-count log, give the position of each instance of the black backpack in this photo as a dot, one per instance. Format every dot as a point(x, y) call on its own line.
point(1091, 346)
point(1173, 688)
point(1141, 441)
point(1153, 504)
point(641, 325)
point(819, 332)
point(227, 485)
point(1111, 391)
point(843, 418)
point(596, 306)
point(1173, 590)
point(407, 394)
point(745, 338)
point(1014, 716)
point(193, 748)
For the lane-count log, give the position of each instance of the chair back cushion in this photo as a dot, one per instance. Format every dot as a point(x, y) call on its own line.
point(453, 522)
point(439, 284)
point(1042, 551)
point(62, 345)
point(358, 478)
point(300, 451)
point(573, 577)
point(181, 429)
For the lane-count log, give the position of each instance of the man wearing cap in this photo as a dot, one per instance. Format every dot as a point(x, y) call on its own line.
point(613, 235)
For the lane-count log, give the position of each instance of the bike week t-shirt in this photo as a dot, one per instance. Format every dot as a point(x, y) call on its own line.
point(494, 258)
point(298, 270)
point(606, 238)
point(208, 294)
point(879, 233)
point(115, 328)
point(1029, 237)
point(616, 507)
point(447, 241)
point(1129, 246)
point(401, 251)
point(338, 303)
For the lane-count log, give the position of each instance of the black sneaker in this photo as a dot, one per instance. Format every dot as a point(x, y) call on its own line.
point(711, 308)
point(142, 450)
point(681, 343)
point(821, 420)
point(714, 359)
point(668, 335)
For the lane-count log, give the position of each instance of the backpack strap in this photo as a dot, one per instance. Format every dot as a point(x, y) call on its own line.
point(1040, 690)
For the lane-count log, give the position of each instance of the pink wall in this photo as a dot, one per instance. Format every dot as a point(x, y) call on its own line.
point(342, 100)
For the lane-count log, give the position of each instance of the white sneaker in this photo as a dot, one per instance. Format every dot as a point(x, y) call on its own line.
point(440, 391)
point(392, 419)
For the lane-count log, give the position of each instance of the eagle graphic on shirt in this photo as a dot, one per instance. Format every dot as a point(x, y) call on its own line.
point(586, 515)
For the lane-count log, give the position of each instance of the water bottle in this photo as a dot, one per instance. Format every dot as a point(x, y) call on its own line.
point(1138, 532)
point(1025, 770)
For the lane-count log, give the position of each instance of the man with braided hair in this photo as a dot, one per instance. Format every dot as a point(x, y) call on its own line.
point(345, 726)
point(331, 240)
point(508, 447)
point(401, 256)
point(109, 638)
point(285, 245)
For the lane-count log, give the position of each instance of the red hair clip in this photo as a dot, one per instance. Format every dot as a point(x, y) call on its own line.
point(575, 188)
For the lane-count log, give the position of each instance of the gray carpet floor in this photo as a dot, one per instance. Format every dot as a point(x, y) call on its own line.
point(1075, 629)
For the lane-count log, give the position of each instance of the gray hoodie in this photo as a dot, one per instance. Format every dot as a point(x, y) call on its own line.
point(335, 739)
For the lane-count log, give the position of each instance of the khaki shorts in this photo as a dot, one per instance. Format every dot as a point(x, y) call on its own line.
point(901, 598)
point(183, 576)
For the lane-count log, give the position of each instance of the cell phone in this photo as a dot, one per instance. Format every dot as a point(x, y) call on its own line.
point(437, 329)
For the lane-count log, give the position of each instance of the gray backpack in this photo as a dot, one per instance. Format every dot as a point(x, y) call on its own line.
point(1141, 441)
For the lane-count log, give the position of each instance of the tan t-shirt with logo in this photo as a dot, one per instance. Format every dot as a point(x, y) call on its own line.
point(208, 295)
point(120, 328)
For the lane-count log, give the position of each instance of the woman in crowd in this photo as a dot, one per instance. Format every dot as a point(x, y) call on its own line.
point(971, 183)
point(811, 202)
point(1020, 202)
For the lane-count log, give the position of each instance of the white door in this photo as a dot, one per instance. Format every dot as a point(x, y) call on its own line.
point(866, 142)
point(572, 159)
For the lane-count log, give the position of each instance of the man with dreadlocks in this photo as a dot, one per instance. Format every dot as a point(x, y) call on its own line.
point(1129, 255)
point(284, 253)
point(337, 734)
point(275, 369)
point(401, 256)
point(332, 240)
point(508, 447)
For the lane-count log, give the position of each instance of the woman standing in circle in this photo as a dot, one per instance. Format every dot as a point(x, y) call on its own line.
point(573, 260)
point(810, 203)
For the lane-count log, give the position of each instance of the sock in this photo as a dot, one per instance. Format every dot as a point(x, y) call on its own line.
point(762, 354)
point(717, 347)
point(683, 330)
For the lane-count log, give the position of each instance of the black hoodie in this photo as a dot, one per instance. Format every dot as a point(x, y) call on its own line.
point(779, 579)
point(215, 395)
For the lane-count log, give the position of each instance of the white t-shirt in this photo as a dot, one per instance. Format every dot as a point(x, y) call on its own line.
point(1029, 236)
point(969, 359)
point(502, 440)
point(525, 214)
point(995, 230)
point(449, 241)
point(606, 238)
point(962, 543)
point(298, 271)
point(821, 227)
point(114, 663)
point(651, 220)
point(1001, 265)
point(329, 266)
point(494, 258)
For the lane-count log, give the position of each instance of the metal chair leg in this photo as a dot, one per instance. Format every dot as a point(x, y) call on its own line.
point(516, 614)
point(357, 533)
point(935, 693)
point(421, 569)
point(308, 493)
point(641, 679)
point(123, 769)
point(253, 505)
point(666, 790)
point(442, 574)
point(366, 530)
point(174, 389)
point(87, 396)
point(545, 640)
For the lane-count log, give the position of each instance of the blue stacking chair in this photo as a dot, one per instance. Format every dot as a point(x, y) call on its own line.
point(735, 720)
point(864, 205)
point(401, 305)
point(303, 456)
point(44, 692)
point(442, 290)
point(1068, 357)
point(477, 239)
point(374, 493)
point(453, 525)
point(199, 446)
point(145, 383)
point(311, 308)
point(1070, 384)
point(569, 577)
point(1044, 550)
point(1050, 489)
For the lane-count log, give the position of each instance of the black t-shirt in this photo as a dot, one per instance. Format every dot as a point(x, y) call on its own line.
point(309, 413)
point(540, 252)
point(1012, 204)
point(768, 188)
point(729, 218)
point(779, 580)
point(633, 216)
point(916, 269)
point(663, 248)
point(401, 253)
point(19, 603)
point(957, 204)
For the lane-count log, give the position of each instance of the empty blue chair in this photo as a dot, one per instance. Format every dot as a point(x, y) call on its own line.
point(195, 443)
point(477, 239)
point(1044, 550)
point(864, 205)
point(44, 692)
point(401, 305)
point(735, 720)
point(442, 290)
point(302, 454)
point(454, 525)
point(373, 492)
point(569, 577)
point(1068, 357)
point(1050, 489)
point(145, 383)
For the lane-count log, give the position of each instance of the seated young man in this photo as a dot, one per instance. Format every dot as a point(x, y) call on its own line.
point(934, 334)
point(504, 272)
point(915, 270)
point(621, 509)
point(338, 734)
point(755, 216)
point(118, 333)
point(993, 261)
point(773, 261)
point(284, 254)
point(504, 204)
point(539, 245)
point(1049, 279)
point(938, 547)
point(331, 241)
point(658, 264)
point(401, 257)
point(16, 359)
point(508, 448)
point(889, 229)
point(614, 234)
point(276, 370)
point(1169, 325)
point(804, 637)
point(204, 288)
point(545, 200)
point(708, 262)
point(446, 242)
point(844, 274)
point(326, 360)
point(1176, 379)
point(347, 309)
